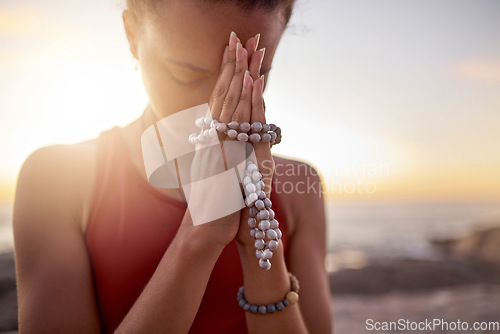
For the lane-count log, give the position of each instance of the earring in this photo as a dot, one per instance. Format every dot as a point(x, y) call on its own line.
point(136, 62)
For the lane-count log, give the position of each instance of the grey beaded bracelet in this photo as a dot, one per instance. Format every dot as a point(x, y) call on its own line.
point(255, 132)
point(291, 297)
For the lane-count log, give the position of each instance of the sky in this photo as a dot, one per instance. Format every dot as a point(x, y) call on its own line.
point(388, 99)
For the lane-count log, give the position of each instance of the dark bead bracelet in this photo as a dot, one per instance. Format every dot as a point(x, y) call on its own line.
point(292, 297)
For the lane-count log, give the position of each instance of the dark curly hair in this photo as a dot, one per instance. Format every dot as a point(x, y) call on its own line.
point(141, 7)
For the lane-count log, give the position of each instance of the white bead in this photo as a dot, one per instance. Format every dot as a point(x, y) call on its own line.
point(263, 215)
point(232, 133)
point(252, 232)
point(199, 122)
point(242, 136)
point(265, 264)
point(212, 132)
point(266, 127)
point(206, 133)
point(259, 234)
point(264, 225)
point(266, 138)
point(250, 187)
point(233, 125)
point(245, 126)
point(208, 120)
point(256, 126)
point(259, 204)
point(273, 223)
point(254, 137)
point(278, 233)
point(251, 198)
point(273, 245)
point(252, 222)
point(260, 193)
point(256, 176)
point(259, 244)
point(247, 180)
point(253, 211)
point(214, 123)
point(259, 253)
point(260, 185)
point(267, 202)
point(271, 234)
point(222, 127)
point(271, 213)
point(267, 254)
point(251, 167)
point(201, 138)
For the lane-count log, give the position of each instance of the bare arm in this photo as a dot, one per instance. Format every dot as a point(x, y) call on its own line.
point(307, 258)
point(54, 280)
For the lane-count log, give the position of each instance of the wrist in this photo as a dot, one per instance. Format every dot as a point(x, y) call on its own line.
point(194, 238)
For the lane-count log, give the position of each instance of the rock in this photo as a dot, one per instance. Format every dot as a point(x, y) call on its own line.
point(381, 276)
point(470, 303)
point(8, 294)
point(482, 245)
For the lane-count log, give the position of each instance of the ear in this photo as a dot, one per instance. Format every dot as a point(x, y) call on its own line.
point(131, 30)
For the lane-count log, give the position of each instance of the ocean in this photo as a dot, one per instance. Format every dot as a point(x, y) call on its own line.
point(359, 231)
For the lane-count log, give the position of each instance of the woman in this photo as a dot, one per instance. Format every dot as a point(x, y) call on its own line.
point(98, 249)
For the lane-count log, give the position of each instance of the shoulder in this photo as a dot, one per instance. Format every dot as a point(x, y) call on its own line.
point(61, 161)
point(296, 178)
point(56, 179)
point(299, 186)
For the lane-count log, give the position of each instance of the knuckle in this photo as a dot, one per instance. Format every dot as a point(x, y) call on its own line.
point(229, 101)
point(245, 95)
point(231, 60)
point(239, 69)
point(219, 91)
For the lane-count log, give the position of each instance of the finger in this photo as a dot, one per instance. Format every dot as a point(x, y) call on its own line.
point(262, 149)
point(256, 63)
point(243, 111)
point(221, 87)
point(233, 95)
point(258, 107)
point(251, 45)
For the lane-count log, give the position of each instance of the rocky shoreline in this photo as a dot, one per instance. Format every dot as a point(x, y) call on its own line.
point(463, 285)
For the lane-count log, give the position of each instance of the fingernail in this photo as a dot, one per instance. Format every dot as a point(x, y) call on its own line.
point(262, 79)
point(224, 56)
point(257, 39)
point(247, 80)
point(238, 50)
point(263, 50)
point(232, 40)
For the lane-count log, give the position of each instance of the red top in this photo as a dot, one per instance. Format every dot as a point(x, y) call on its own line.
point(130, 227)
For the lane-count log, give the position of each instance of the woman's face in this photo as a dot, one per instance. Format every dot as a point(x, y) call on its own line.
point(180, 48)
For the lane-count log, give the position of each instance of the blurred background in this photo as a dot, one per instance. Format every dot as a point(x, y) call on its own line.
point(404, 96)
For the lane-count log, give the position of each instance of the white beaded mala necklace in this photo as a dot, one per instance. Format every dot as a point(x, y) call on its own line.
point(262, 220)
